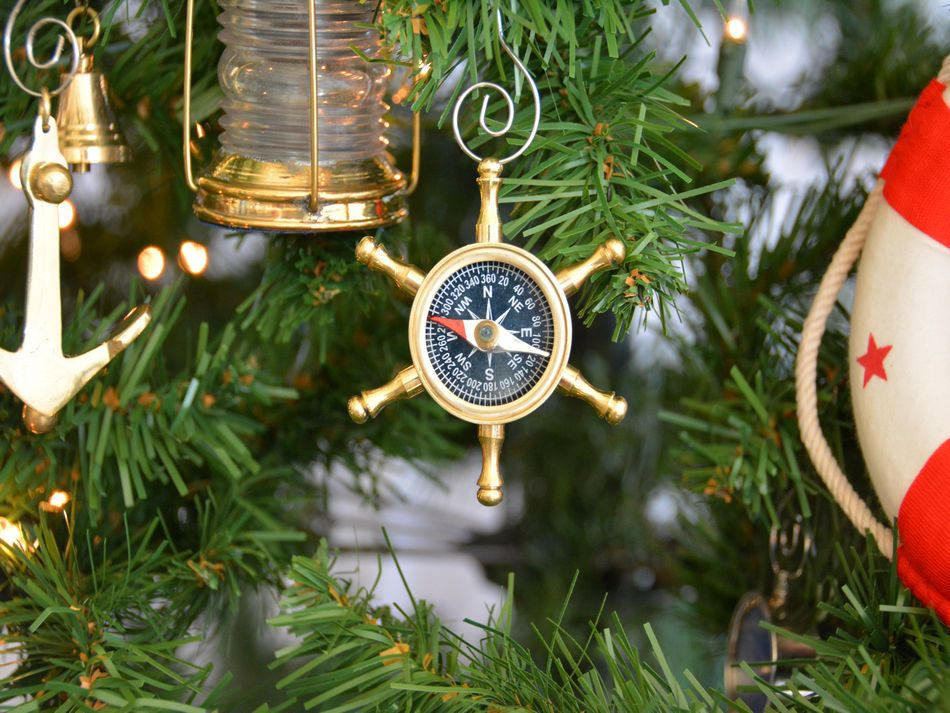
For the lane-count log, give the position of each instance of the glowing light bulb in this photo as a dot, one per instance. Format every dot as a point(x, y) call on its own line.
point(58, 499)
point(11, 534)
point(14, 174)
point(67, 215)
point(193, 257)
point(151, 263)
point(737, 29)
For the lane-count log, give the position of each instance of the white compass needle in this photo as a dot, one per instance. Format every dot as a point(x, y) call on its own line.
point(508, 342)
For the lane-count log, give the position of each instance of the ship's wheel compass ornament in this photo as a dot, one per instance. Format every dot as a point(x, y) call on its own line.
point(38, 373)
point(490, 326)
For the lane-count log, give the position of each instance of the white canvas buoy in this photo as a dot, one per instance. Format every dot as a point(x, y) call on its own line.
point(899, 350)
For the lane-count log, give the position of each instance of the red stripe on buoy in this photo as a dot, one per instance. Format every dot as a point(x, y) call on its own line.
point(917, 174)
point(923, 558)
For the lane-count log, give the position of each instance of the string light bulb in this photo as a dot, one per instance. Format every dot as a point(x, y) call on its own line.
point(151, 262)
point(737, 29)
point(11, 534)
point(193, 257)
point(58, 499)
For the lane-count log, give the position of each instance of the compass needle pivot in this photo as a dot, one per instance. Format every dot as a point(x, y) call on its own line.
point(489, 370)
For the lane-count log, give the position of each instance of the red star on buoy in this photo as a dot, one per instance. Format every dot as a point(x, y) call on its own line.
point(873, 360)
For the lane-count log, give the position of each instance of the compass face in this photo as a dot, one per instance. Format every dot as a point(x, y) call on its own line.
point(489, 333)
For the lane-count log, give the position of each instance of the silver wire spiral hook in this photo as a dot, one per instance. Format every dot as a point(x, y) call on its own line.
point(508, 100)
point(54, 58)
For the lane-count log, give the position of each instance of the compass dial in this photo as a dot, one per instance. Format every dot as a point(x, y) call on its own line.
point(489, 333)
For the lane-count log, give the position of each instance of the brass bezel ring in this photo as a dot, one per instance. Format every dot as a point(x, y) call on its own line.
point(560, 314)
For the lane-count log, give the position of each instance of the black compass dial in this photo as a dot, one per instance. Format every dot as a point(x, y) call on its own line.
point(489, 333)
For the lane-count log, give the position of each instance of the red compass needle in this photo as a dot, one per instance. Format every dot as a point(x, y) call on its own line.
point(465, 328)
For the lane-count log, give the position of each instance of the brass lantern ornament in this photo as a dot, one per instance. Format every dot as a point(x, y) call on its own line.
point(303, 148)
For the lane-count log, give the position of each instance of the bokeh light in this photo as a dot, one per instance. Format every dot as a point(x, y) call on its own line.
point(58, 499)
point(67, 215)
point(11, 534)
point(151, 263)
point(737, 29)
point(70, 245)
point(193, 257)
point(14, 174)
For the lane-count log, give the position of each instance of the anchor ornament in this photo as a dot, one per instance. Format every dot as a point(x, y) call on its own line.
point(38, 372)
point(490, 327)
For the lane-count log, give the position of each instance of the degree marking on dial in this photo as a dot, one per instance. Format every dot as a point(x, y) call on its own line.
point(475, 376)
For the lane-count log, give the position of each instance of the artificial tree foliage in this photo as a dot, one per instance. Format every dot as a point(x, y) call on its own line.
point(190, 462)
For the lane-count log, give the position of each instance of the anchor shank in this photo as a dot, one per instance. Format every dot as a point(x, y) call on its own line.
point(47, 183)
point(44, 319)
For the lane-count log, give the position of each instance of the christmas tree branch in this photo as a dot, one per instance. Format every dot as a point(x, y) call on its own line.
point(354, 655)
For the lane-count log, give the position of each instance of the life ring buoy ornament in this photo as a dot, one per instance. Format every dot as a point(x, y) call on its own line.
point(899, 349)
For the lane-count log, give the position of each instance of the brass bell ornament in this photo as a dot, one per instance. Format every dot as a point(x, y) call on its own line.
point(303, 147)
point(88, 130)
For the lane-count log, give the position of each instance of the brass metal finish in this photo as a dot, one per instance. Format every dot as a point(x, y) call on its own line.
point(490, 480)
point(186, 97)
point(84, 10)
point(50, 182)
point(558, 374)
point(488, 227)
point(242, 192)
point(314, 108)
point(546, 385)
point(416, 153)
point(607, 404)
point(246, 193)
point(611, 253)
point(407, 278)
point(368, 404)
point(88, 130)
point(38, 373)
point(486, 335)
point(38, 423)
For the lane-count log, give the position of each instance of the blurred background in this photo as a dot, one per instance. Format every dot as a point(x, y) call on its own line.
point(797, 101)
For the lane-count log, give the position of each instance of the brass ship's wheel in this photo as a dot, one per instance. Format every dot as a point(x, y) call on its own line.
point(489, 333)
